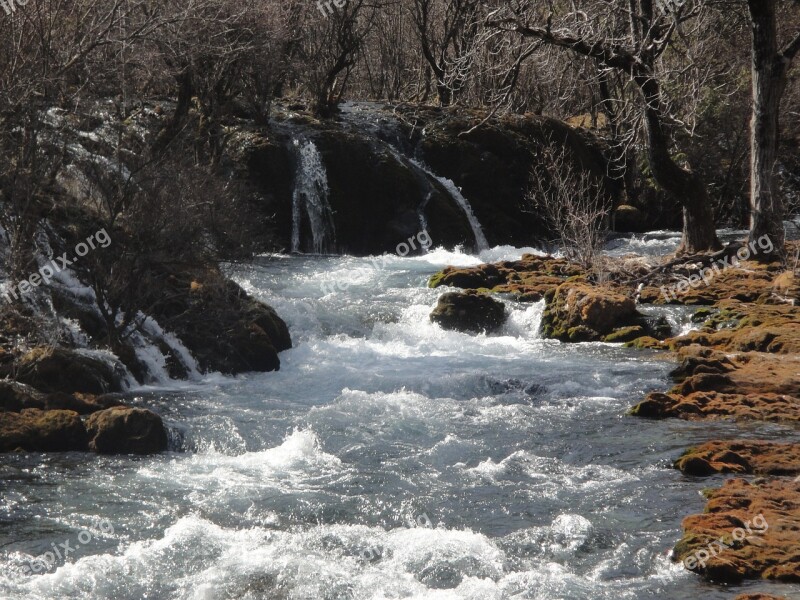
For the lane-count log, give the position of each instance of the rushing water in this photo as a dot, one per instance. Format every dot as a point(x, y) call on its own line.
point(510, 456)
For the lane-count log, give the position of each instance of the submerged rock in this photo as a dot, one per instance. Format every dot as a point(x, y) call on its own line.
point(34, 430)
point(469, 312)
point(124, 430)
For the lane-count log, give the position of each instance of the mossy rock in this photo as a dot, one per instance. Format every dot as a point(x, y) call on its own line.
point(625, 334)
point(469, 312)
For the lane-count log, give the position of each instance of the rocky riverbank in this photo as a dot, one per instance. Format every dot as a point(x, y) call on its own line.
point(741, 363)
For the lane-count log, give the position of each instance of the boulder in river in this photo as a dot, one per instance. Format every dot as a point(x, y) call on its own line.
point(16, 396)
point(68, 371)
point(578, 312)
point(469, 312)
point(123, 430)
point(35, 430)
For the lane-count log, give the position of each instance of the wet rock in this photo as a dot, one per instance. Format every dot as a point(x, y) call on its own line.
point(125, 430)
point(714, 405)
point(628, 218)
point(741, 456)
point(469, 312)
point(223, 327)
point(753, 285)
point(712, 384)
point(527, 279)
point(15, 397)
point(740, 327)
point(625, 334)
point(759, 597)
point(579, 312)
point(748, 531)
point(67, 371)
point(34, 430)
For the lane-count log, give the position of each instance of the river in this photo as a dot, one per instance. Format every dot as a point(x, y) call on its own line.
point(387, 459)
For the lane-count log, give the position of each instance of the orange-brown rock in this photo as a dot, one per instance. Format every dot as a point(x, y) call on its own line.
point(759, 597)
point(745, 285)
point(743, 327)
point(710, 405)
point(529, 278)
point(741, 456)
point(718, 545)
point(713, 384)
point(35, 430)
point(123, 430)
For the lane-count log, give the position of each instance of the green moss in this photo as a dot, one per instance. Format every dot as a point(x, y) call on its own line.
point(436, 279)
point(644, 343)
point(624, 334)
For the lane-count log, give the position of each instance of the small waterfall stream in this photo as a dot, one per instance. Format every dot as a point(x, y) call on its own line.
point(480, 239)
point(310, 197)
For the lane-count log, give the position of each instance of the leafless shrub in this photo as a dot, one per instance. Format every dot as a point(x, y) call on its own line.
point(573, 203)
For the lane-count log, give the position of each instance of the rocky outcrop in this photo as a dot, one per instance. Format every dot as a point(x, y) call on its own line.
point(67, 371)
point(378, 194)
point(579, 312)
point(116, 430)
point(224, 328)
point(15, 397)
point(743, 327)
point(746, 386)
point(34, 430)
point(527, 279)
point(124, 430)
point(741, 457)
point(749, 531)
point(469, 312)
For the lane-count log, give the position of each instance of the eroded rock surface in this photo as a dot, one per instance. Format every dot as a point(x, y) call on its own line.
point(769, 552)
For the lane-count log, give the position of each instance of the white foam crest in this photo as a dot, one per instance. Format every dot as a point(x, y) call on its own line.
point(216, 477)
point(525, 322)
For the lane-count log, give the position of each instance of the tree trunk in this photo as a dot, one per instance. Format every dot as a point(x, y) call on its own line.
point(769, 81)
point(699, 231)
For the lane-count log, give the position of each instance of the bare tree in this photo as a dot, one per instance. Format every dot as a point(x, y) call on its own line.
point(770, 68)
point(629, 38)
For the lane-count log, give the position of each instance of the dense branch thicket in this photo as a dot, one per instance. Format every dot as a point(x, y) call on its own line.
point(668, 85)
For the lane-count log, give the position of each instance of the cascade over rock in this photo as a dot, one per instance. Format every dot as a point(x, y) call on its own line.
point(363, 185)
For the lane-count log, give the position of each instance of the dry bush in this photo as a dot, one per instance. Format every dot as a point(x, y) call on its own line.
point(573, 203)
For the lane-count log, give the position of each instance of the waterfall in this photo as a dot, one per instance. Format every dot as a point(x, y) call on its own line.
point(480, 239)
point(311, 196)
